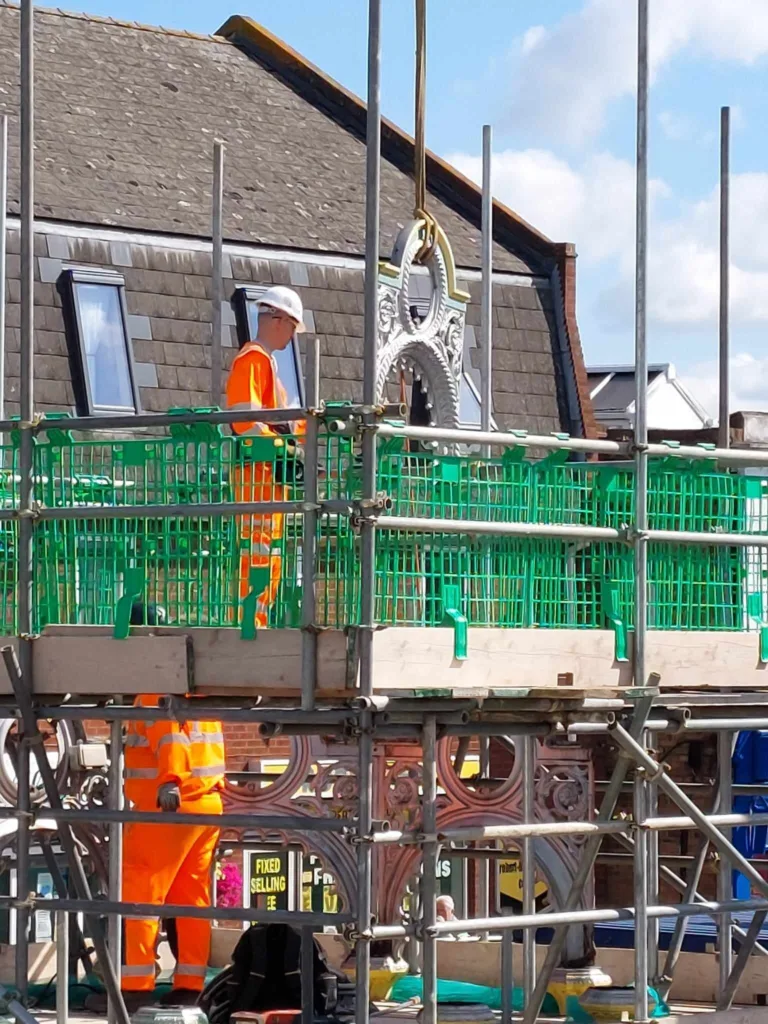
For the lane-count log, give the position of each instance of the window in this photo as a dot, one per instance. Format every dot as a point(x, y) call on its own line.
point(100, 348)
point(288, 361)
point(469, 404)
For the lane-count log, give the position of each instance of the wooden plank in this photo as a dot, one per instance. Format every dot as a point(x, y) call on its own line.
point(91, 665)
point(270, 665)
point(412, 658)
point(422, 658)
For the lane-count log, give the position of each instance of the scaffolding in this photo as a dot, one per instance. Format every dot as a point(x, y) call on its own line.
point(370, 712)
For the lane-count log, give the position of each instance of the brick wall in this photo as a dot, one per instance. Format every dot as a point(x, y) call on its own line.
point(690, 760)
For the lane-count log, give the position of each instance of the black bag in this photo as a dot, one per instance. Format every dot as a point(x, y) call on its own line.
point(266, 975)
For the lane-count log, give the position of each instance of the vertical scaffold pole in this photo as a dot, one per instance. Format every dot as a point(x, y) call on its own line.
point(529, 866)
point(641, 350)
point(3, 251)
point(641, 507)
point(217, 263)
point(430, 856)
point(25, 625)
point(725, 868)
point(309, 528)
point(23, 916)
point(486, 306)
point(651, 810)
point(367, 529)
point(640, 873)
point(723, 430)
point(116, 802)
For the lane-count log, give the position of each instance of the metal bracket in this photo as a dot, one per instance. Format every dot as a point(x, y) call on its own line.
point(609, 607)
point(135, 581)
point(258, 581)
point(453, 616)
point(755, 612)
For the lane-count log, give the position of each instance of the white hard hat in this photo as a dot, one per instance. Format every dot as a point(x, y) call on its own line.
point(286, 300)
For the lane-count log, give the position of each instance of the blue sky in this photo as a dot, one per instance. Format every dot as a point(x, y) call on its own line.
point(556, 80)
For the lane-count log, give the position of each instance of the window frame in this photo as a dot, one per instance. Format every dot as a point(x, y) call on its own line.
point(245, 294)
point(70, 278)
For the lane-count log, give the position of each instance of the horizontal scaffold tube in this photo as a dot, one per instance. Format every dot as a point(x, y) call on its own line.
point(537, 828)
point(287, 823)
point(574, 917)
point(560, 442)
point(297, 918)
point(487, 527)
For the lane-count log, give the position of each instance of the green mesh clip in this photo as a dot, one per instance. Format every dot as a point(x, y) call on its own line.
point(514, 456)
point(755, 612)
point(453, 616)
point(609, 605)
point(257, 449)
point(57, 435)
point(291, 617)
point(201, 433)
point(135, 581)
point(258, 581)
point(557, 457)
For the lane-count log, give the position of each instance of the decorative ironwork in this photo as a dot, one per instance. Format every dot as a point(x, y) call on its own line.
point(432, 347)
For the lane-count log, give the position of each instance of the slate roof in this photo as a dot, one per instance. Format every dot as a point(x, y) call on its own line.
point(126, 118)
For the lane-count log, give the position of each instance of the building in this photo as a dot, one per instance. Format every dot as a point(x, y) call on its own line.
point(126, 117)
point(671, 407)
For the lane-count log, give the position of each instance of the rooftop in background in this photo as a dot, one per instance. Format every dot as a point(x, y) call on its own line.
point(671, 406)
point(126, 116)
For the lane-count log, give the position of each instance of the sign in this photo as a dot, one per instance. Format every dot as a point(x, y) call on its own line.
point(318, 888)
point(269, 880)
point(511, 880)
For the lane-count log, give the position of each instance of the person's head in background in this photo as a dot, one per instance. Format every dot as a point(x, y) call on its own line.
point(444, 908)
point(280, 317)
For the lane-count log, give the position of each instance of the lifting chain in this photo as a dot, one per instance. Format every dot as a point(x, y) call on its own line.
point(420, 152)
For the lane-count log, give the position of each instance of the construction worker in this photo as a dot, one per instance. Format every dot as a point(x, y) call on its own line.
point(254, 385)
point(175, 767)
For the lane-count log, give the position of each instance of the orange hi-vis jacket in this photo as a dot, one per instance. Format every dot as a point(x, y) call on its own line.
point(191, 754)
point(253, 383)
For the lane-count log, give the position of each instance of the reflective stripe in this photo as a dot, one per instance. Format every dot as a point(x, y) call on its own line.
point(208, 770)
point(141, 773)
point(261, 549)
point(134, 740)
point(138, 970)
point(206, 737)
point(245, 407)
point(174, 737)
point(191, 970)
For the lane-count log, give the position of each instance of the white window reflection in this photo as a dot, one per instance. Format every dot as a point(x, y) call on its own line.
point(104, 345)
point(288, 364)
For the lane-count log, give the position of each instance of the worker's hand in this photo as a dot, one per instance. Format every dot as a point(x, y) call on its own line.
point(169, 797)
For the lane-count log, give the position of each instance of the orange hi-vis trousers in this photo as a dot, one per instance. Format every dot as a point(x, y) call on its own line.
point(169, 864)
point(260, 535)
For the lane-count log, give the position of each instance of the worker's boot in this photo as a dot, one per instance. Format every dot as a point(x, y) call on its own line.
point(97, 1003)
point(179, 997)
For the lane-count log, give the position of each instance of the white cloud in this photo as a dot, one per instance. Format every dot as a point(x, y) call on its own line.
point(567, 76)
point(533, 37)
point(748, 380)
point(592, 203)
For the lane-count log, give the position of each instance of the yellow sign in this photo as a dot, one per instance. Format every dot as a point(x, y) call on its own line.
point(511, 880)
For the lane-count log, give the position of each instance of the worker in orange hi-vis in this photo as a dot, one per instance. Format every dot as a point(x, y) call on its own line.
point(254, 385)
point(175, 767)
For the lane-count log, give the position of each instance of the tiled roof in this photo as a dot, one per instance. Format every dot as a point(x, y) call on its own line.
point(126, 117)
